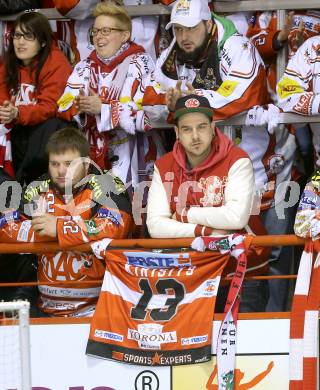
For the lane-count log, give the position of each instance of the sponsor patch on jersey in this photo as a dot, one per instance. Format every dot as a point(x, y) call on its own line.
point(287, 87)
point(158, 260)
point(113, 216)
point(24, 231)
point(194, 340)
point(308, 201)
point(102, 334)
point(65, 101)
point(150, 336)
point(227, 87)
point(91, 227)
point(211, 287)
point(8, 217)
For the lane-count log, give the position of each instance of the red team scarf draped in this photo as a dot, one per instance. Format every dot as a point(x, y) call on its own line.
point(304, 325)
point(227, 337)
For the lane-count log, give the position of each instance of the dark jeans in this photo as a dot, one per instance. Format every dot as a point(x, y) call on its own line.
point(281, 259)
point(254, 297)
point(18, 268)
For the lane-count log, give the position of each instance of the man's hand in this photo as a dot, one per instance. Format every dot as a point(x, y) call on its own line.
point(8, 112)
point(45, 225)
point(88, 104)
point(298, 38)
point(172, 95)
point(190, 89)
point(284, 33)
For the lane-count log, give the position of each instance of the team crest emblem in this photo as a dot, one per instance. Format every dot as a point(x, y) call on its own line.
point(192, 103)
point(213, 189)
point(183, 7)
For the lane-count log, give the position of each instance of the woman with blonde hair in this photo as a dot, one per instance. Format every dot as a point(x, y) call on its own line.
point(104, 95)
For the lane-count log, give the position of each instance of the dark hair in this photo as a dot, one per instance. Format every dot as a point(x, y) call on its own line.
point(68, 138)
point(39, 26)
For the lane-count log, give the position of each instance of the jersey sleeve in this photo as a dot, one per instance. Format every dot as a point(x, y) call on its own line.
point(244, 82)
point(307, 221)
point(295, 90)
point(263, 32)
point(159, 216)
point(112, 215)
point(15, 227)
point(128, 109)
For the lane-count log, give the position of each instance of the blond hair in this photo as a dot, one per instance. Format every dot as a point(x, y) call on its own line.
point(116, 11)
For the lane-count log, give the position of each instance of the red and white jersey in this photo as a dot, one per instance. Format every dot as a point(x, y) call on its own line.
point(150, 305)
point(113, 136)
point(299, 88)
point(273, 157)
point(241, 70)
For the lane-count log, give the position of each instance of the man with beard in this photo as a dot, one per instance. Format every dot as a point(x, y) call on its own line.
point(207, 57)
point(72, 204)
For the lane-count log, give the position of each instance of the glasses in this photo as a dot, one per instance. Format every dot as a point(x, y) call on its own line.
point(28, 36)
point(105, 31)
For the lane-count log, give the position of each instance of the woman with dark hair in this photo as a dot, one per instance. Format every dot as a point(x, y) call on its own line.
point(32, 78)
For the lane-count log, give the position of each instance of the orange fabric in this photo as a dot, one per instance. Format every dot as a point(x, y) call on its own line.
point(125, 312)
point(65, 6)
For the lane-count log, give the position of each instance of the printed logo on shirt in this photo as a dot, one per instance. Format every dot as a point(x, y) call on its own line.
point(24, 231)
point(25, 95)
point(158, 260)
point(9, 217)
point(111, 215)
point(288, 87)
point(308, 200)
point(108, 335)
point(227, 88)
point(210, 288)
point(194, 340)
point(150, 336)
point(91, 227)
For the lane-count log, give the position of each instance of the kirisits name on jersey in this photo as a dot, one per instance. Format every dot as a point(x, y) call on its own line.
point(158, 260)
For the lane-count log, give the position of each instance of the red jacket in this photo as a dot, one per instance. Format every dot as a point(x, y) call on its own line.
point(39, 104)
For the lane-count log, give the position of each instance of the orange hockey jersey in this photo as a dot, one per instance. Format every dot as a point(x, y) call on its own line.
point(156, 308)
point(89, 215)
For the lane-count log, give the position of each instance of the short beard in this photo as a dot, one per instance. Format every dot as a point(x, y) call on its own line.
point(194, 56)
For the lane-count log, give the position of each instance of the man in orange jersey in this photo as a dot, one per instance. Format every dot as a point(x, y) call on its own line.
point(72, 205)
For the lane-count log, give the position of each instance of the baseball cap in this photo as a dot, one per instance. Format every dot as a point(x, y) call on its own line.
point(193, 103)
point(189, 13)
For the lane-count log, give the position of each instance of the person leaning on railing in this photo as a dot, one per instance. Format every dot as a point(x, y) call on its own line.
point(205, 187)
point(72, 204)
